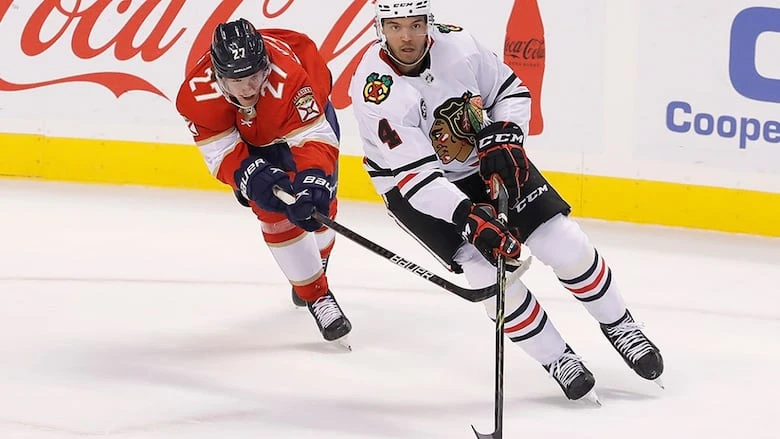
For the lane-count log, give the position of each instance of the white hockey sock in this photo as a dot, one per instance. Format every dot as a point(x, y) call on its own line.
point(525, 321)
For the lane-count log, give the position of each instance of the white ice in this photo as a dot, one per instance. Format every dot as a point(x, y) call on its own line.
point(137, 313)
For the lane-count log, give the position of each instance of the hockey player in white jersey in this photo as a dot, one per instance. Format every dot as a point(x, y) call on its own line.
point(424, 96)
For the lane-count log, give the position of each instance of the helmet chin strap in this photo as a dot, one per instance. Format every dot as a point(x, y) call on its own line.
point(248, 109)
point(234, 100)
point(419, 60)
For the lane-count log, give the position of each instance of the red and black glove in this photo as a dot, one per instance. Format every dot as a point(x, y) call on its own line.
point(500, 151)
point(479, 226)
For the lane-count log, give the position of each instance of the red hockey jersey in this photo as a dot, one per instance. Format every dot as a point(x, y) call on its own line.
point(291, 109)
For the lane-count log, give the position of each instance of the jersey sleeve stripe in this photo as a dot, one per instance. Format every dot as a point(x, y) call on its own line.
point(525, 94)
point(215, 137)
point(216, 150)
point(374, 170)
point(509, 81)
point(373, 165)
point(318, 130)
point(414, 189)
point(415, 164)
point(382, 173)
point(405, 180)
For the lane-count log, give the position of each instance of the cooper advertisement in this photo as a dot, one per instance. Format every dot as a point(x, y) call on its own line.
point(709, 94)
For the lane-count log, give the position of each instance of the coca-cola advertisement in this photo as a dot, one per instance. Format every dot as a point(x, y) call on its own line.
point(84, 53)
point(103, 58)
point(524, 51)
point(109, 69)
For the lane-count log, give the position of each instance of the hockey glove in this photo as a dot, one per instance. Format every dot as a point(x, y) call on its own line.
point(479, 226)
point(240, 198)
point(312, 189)
point(256, 178)
point(500, 151)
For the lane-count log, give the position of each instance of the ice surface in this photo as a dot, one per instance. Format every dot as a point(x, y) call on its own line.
point(141, 313)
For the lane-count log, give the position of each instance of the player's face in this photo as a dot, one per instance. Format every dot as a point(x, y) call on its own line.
point(247, 89)
point(406, 37)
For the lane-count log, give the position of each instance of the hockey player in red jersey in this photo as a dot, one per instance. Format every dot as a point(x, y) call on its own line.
point(423, 97)
point(257, 105)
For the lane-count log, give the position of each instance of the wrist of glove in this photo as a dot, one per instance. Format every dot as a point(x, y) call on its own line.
point(256, 178)
point(313, 191)
point(500, 152)
point(479, 226)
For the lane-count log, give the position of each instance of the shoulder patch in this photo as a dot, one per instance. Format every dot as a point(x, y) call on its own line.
point(306, 104)
point(447, 28)
point(377, 88)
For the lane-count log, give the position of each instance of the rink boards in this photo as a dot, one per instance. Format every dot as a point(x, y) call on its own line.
point(678, 127)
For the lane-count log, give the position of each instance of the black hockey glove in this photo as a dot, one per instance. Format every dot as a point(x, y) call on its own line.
point(313, 191)
point(500, 151)
point(479, 226)
point(256, 178)
point(240, 198)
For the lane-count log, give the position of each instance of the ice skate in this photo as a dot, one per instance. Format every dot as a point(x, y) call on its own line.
point(297, 301)
point(575, 379)
point(637, 350)
point(332, 322)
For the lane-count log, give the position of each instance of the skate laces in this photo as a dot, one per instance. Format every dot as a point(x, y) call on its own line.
point(325, 310)
point(566, 368)
point(630, 340)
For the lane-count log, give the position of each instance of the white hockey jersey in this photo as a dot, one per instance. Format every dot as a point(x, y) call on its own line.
point(418, 131)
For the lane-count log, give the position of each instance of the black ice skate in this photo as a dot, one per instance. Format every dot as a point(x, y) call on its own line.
point(575, 379)
point(332, 322)
point(637, 350)
point(297, 301)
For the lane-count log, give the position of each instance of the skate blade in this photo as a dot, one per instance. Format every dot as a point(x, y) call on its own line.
point(593, 398)
point(343, 343)
point(659, 383)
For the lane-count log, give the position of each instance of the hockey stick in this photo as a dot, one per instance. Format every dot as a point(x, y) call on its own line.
point(503, 208)
point(477, 295)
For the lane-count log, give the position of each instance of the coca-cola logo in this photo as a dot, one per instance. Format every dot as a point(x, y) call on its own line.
point(529, 50)
point(148, 32)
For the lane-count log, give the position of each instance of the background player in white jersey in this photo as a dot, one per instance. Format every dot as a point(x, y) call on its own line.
point(423, 98)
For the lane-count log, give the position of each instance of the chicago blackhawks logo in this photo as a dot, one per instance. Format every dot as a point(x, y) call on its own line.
point(377, 88)
point(456, 121)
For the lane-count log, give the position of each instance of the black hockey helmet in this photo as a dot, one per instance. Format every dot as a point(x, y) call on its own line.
point(237, 50)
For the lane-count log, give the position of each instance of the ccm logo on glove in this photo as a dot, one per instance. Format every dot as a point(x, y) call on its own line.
point(516, 138)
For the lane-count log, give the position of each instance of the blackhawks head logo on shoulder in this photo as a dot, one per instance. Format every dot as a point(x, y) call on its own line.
point(377, 88)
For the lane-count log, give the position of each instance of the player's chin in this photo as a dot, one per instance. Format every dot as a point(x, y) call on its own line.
point(412, 57)
point(248, 101)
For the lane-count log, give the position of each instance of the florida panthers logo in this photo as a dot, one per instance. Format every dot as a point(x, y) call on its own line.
point(377, 88)
point(306, 104)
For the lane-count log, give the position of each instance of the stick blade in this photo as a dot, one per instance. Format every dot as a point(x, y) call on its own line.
point(494, 435)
